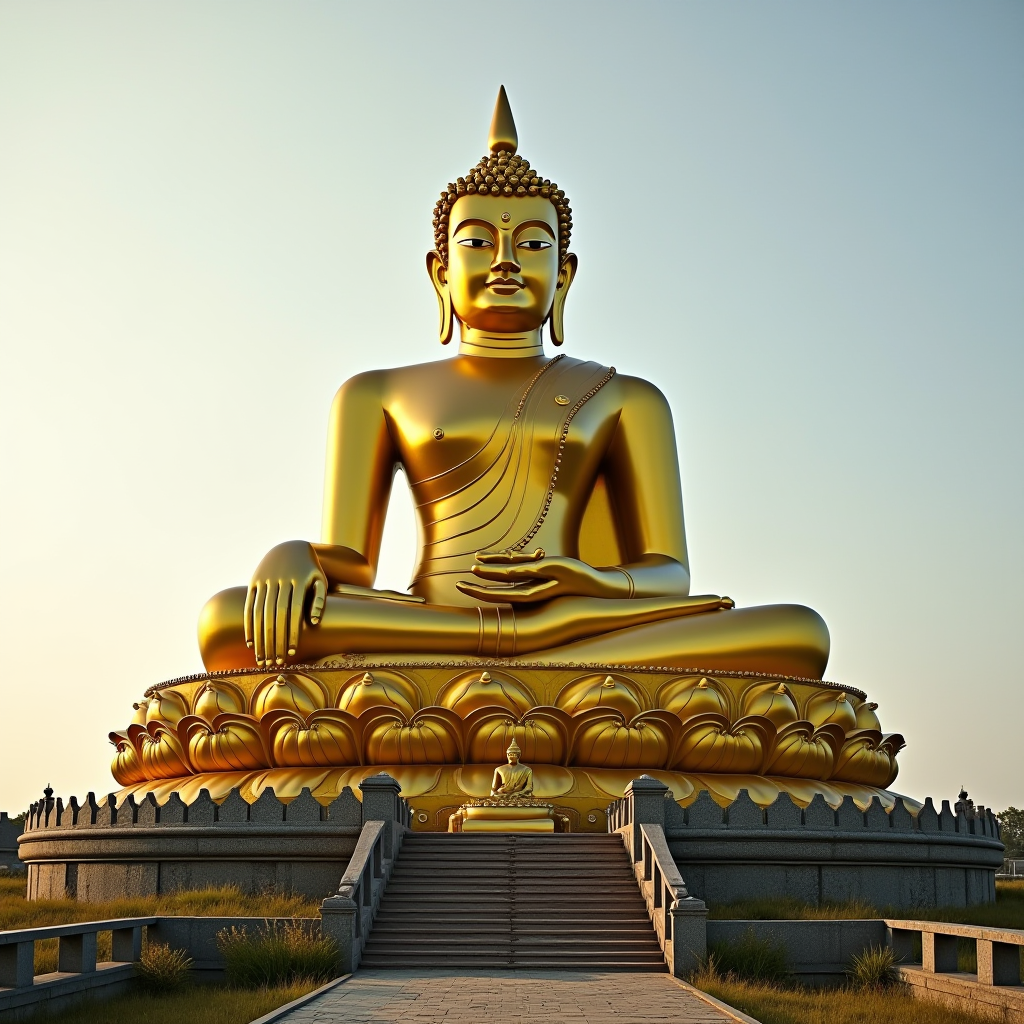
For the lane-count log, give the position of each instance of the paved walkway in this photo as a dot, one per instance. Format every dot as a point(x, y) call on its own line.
point(508, 997)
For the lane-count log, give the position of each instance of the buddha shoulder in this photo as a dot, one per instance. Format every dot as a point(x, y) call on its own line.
point(636, 395)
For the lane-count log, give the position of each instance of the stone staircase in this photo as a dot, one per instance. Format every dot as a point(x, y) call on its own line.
point(513, 900)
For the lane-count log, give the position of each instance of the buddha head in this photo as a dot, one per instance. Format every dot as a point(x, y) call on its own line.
point(501, 262)
point(513, 753)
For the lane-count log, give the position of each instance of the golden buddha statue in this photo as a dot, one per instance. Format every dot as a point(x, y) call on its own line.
point(551, 595)
point(547, 490)
point(513, 779)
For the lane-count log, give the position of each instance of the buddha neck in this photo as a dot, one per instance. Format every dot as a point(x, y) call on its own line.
point(491, 344)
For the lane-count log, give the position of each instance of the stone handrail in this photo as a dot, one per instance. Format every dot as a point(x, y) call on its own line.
point(348, 915)
point(999, 949)
point(680, 920)
point(77, 969)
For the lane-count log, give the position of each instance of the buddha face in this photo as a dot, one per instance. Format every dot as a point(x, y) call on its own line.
point(513, 757)
point(503, 273)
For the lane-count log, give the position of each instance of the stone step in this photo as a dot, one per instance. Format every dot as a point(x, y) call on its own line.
point(500, 900)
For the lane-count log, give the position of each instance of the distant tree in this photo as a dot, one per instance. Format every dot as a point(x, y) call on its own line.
point(1011, 831)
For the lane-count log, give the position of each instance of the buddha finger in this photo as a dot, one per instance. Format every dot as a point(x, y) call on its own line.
point(319, 600)
point(295, 619)
point(259, 602)
point(509, 557)
point(269, 616)
point(501, 575)
point(284, 604)
point(250, 601)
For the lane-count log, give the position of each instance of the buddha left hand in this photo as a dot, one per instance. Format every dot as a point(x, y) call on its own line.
point(524, 577)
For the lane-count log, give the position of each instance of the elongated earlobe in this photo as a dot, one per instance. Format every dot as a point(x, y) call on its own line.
point(439, 279)
point(556, 318)
point(446, 326)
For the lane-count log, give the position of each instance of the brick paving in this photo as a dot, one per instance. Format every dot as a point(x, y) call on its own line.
point(508, 997)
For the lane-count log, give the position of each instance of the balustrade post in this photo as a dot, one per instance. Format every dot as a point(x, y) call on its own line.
point(76, 954)
point(341, 920)
point(647, 797)
point(17, 969)
point(687, 923)
point(938, 953)
point(998, 963)
point(382, 802)
point(126, 944)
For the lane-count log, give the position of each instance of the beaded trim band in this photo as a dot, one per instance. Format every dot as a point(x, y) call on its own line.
point(519, 545)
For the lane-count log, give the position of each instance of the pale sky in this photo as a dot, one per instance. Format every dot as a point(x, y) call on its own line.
point(803, 221)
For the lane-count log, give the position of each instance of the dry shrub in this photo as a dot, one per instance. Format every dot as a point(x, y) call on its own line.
point(276, 955)
point(875, 967)
point(163, 969)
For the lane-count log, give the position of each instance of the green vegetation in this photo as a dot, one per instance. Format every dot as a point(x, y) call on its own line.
point(874, 968)
point(223, 901)
point(276, 955)
point(206, 1004)
point(777, 1004)
point(1011, 831)
point(1006, 912)
point(162, 969)
point(750, 958)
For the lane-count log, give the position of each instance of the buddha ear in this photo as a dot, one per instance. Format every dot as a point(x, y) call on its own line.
point(556, 321)
point(439, 279)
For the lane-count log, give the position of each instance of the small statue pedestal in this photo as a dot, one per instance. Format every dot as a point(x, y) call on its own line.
point(510, 815)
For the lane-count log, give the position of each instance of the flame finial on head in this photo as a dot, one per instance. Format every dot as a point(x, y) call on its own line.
point(513, 748)
point(503, 128)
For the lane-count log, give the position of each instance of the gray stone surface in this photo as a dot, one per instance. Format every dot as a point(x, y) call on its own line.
point(95, 851)
point(9, 832)
point(820, 854)
point(511, 997)
point(817, 952)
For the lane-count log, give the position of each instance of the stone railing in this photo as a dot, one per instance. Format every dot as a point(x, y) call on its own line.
point(679, 920)
point(934, 974)
point(348, 916)
point(77, 970)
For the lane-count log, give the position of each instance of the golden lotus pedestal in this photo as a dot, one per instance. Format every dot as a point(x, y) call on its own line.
point(441, 726)
point(492, 816)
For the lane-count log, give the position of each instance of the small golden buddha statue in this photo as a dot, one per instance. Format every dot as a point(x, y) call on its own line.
point(547, 489)
point(515, 779)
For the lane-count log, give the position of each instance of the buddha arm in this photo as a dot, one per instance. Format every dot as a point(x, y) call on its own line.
point(361, 465)
point(642, 470)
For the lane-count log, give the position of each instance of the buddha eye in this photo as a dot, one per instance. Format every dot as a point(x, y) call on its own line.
point(476, 243)
point(534, 244)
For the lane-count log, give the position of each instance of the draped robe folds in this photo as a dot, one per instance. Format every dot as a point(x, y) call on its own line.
point(516, 780)
point(498, 497)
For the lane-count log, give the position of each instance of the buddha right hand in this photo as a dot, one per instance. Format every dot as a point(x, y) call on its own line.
point(278, 594)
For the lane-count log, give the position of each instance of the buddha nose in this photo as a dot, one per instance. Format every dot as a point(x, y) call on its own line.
point(505, 254)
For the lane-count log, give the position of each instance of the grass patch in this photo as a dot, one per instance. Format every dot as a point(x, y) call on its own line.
point(276, 955)
point(215, 901)
point(775, 1004)
point(750, 958)
point(1006, 912)
point(206, 1004)
point(875, 968)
